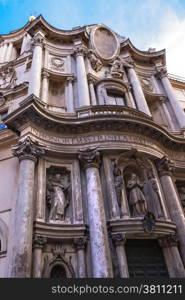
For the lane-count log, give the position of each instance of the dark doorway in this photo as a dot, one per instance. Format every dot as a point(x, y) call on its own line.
point(145, 259)
point(58, 272)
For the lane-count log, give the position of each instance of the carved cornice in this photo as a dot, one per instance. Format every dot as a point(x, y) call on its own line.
point(118, 238)
point(169, 241)
point(80, 242)
point(28, 149)
point(39, 241)
point(90, 158)
point(165, 166)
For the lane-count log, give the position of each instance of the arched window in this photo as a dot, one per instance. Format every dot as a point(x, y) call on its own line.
point(58, 271)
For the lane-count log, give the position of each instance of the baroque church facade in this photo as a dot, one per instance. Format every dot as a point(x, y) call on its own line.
point(92, 160)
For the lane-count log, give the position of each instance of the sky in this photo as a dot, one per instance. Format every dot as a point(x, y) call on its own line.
point(147, 23)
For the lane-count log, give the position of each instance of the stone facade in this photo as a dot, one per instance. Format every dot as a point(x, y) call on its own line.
point(92, 156)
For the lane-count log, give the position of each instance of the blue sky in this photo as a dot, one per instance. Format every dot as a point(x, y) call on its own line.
point(148, 23)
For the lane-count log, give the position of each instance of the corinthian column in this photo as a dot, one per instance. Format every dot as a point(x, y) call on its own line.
point(35, 80)
point(21, 249)
point(82, 84)
point(38, 244)
point(138, 92)
point(178, 111)
point(172, 257)
point(165, 168)
point(119, 241)
point(100, 252)
point(80, 244)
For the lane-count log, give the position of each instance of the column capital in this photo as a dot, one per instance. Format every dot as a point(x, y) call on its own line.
point(70, 79)
point(90, 157)
point(168, 241)
point(163, 99)
point(38, 40)
point(161, 72)
point(28, 149)
point(118, 238)
point(165, 166)
point(80, 242)
point(80, 50)
point(45, 74)
point(39, 241)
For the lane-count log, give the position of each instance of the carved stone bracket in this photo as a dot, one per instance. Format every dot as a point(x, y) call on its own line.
point(39, 241)
point(80, 242)
point(165, 166)
point(90, 157)
point(28, 149)
point(169, 241)
point(118, 238)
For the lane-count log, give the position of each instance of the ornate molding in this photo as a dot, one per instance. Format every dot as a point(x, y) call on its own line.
point(39, 241)
point(118, 238)
point(165, 166)
point(80, 242)
point(28, 149)
point(169, 241)
point(90, 158)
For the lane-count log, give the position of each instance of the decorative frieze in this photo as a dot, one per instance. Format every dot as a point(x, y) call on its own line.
point(28, 149)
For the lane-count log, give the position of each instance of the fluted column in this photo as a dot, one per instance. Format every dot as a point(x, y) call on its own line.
point(80, 244)
point(178, 110)
point(70, 98)
point(92, 92)
point(100, 252)
point(35, 79)
point(21, 249)
point(163, 102)
point(119, 241)
point(38, 244)
point(45, 86)
point(83, 90)
point(165, 168)
point(172, 257)
point(138, 92)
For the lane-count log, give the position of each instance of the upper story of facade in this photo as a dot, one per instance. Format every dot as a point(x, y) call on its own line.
point(88, 71)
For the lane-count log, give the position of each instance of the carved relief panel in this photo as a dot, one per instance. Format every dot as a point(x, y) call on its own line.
point(58, 63)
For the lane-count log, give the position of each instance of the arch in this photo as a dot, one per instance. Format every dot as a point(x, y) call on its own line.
point(107, 86)
point(3, 236)
point(58, 270)
point(60, 261)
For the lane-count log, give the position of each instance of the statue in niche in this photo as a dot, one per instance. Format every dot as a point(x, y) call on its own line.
point(118, 182)
point(155, 196)
point(137, 199)
point(58, 195)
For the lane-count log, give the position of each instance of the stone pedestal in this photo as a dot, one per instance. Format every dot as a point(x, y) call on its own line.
point(138, 92)
point(83, 90)
point(178, 111)
point(100, 252)
point(35, 83)
point(45, 87)
point(119, 241)
point(20, 255)
point(80, 244)
point(38, 244)
point(172, 257)
point(165, 168)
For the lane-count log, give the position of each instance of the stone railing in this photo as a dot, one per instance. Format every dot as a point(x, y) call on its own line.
point(111, 110)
